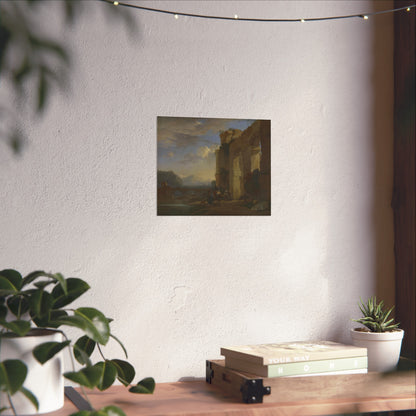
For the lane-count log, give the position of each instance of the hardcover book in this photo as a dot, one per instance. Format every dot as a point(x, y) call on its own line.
point(315, 367)
point(292, 352)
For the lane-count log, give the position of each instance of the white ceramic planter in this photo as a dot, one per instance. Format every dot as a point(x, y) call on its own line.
point(44, 381)
point(383, 348)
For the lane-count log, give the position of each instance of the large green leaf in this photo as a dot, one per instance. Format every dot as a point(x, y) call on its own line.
point(18, 305)
point(145, 386)
point(75, 288)
point(31, 277)
point(45, 351)
point(83, 349)
point(13, 276)
point(29, 395)
point(3, 312)
point(98, 328)
point(7, 287)
point(12, 375)
point(88, 376)
point(18, 327)
point(40, 304)
point(55, 315)
point(125, 371)
point(108, 374)
point(91, 321)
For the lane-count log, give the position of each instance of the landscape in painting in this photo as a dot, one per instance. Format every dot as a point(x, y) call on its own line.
point(213, 166)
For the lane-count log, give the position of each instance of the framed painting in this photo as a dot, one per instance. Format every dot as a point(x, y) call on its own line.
point(213, 166)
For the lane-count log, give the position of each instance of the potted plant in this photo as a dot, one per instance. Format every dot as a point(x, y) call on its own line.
point(380, 335)
point(34, 310)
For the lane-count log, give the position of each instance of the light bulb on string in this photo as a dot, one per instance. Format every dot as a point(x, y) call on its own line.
point(248, 19)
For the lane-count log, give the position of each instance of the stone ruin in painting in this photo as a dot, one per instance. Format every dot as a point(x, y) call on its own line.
point(243, 163)
point(241, 182)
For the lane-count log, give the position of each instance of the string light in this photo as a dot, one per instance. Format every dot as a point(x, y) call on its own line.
point(246, 19)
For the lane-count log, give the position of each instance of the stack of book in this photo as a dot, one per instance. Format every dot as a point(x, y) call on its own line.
point(296, 359)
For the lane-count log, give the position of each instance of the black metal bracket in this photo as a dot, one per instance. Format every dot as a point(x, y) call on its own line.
point(77, 399)
point(253, 391)
point(209, 372)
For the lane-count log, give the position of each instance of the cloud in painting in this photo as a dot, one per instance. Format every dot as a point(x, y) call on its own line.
point(182, 132)
point(204, 151)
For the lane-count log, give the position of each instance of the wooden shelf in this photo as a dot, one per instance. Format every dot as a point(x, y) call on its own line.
point(308, 396)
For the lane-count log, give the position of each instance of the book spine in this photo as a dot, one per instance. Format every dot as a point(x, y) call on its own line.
point(309, 367)
point(313, 367)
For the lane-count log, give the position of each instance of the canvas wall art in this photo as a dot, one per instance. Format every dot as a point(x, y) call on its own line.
point(213, 166)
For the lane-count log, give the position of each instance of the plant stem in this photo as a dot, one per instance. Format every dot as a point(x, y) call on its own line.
point(73, 369)
point(11, 404)
point(101, 353)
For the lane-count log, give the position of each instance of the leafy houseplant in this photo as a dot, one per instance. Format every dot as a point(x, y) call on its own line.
point(381, 335)
point(40, 302)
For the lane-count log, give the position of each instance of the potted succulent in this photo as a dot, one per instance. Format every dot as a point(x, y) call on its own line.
point(380, 335)
point(34, 310)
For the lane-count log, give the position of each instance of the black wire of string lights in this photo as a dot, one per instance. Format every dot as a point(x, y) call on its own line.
point(364, 16)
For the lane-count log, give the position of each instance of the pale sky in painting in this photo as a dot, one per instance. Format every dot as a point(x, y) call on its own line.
point(187, 145)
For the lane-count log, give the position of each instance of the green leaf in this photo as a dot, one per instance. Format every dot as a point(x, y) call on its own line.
point(105, 411)
point(31, 277)
point(18, 305)
point(108, 374)
point(145, 386)
point(54, 277)
point(83, 349)
point(88, 376)
point(75, 288)
point(13, 276)
point(89, 320)
point(83, 413)
point(18, 327)
point(30, 396)
point(110, 411)
point(125, 371)
point(3, 312)
point(6, 287)
point(40, 304)
point(12, 375)
point(55, 316)
point(45, 351)
point(98, 328)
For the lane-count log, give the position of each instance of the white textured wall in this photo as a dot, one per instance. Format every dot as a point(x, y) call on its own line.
point(82, 198)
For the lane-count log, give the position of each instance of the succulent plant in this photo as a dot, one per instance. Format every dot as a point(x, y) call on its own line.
point(375, 318)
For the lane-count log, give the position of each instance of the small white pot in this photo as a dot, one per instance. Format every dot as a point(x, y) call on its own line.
point(44, 381)
point(383, 348)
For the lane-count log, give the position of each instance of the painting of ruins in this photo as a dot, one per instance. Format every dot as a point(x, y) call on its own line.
point(213, 166)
